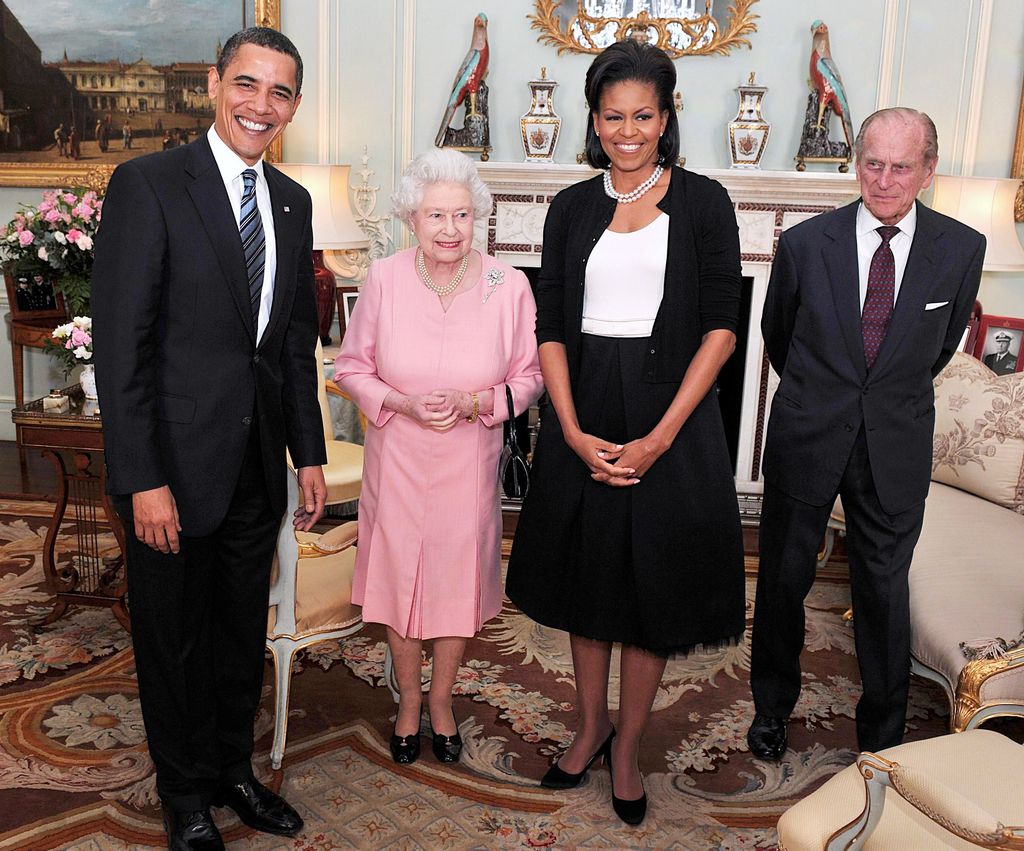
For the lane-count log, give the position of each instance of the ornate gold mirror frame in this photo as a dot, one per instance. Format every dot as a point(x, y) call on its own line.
point(58, 175)
point(591, 30)
point(1017, 164)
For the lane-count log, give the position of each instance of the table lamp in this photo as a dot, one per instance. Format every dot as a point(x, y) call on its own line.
point(985, 204)
point(334, 228)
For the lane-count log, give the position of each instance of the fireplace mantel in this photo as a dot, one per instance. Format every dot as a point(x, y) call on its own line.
point(767, 202)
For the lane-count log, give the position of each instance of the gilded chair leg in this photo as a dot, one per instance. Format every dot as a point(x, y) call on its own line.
point(283, 657)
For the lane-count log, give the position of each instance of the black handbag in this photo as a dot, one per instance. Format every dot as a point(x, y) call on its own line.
point(513, 468)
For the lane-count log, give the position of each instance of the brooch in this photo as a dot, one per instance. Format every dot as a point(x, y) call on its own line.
point(495, 277)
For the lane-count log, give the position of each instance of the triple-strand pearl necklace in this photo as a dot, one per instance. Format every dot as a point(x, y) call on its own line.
point(639, 192)
point(428, 282)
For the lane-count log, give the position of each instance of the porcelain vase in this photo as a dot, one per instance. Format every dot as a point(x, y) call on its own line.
point(540, 126)
point(88, 381)
point(748, 131)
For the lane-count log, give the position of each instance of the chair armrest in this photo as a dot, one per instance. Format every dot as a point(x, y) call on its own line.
point(339, 538)
point(944, 806)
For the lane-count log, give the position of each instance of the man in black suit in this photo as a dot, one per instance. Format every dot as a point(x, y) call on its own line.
point(1002, 361)
point(892, 283)
point(205, 327)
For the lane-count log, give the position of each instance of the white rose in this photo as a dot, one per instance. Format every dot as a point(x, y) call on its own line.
point(41, 253)
point(85, 243)
point(59, 236)
point(63, 330)
point(82, 353)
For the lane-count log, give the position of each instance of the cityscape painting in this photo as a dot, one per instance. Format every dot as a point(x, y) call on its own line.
point(93, 84)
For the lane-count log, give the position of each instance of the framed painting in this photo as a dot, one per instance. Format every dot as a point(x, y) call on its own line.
point(346, 295)
point(999, 344)
point(85, 87)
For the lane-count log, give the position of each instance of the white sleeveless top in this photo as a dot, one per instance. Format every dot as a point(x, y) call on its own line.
point(625, 281)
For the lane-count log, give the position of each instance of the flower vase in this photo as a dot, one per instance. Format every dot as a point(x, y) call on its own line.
point(748, 131)
point(88, 381)
point(540, 125)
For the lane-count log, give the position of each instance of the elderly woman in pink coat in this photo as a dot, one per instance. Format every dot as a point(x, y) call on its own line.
point(438, 331)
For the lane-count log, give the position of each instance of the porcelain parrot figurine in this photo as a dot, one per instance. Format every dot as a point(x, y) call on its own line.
point(469, 76)
point(826, 81)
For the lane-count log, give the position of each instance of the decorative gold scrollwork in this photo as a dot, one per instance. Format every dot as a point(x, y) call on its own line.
point(701, 35)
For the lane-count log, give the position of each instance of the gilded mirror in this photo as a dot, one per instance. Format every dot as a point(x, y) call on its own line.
point(679, 27)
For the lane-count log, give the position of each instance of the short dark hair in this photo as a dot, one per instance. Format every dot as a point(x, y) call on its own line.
point(632, 61)
point(261, 37)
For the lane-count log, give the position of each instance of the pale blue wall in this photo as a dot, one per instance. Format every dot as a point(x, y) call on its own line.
point(359, 92)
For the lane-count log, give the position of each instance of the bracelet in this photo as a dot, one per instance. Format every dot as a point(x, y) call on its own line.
point(476, 408)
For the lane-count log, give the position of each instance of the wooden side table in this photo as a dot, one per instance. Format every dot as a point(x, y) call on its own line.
point(96, 580)
point(26, 332)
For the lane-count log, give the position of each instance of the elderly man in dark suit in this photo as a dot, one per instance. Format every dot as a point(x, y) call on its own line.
point(893, 283)
point(205, 326)
point(1002, 361)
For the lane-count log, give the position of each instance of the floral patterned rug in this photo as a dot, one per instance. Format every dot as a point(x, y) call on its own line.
point(74, 772)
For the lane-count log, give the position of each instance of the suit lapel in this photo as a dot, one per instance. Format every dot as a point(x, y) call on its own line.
point(840, 256)
point(206, 189)
point(925, 254)
point(286, 225)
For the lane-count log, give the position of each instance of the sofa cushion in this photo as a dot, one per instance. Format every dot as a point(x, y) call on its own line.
point(978, 445)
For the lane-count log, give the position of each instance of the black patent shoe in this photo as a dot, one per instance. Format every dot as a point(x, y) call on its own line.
point(631, 811)
point(556, 778)
point(191, 831)
point(405, 750)
point(766, 737)
point(260, 808)
point(446, 748)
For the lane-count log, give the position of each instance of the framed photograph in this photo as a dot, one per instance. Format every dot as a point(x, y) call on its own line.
point(346, 295)
point(999, 344)
point(32, 296)
point(79, 98)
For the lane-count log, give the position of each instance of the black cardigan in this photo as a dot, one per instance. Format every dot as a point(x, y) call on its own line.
point(702, 273)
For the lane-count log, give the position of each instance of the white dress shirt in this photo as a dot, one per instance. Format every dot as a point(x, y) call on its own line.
point(868, 240)
point(231, 167)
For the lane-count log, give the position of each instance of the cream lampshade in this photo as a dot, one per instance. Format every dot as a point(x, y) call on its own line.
point(334, 226)
point(334, 229)
point(985, 204)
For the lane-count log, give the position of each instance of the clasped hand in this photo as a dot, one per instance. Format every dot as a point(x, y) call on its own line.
point(439, 409)
point(617, 464)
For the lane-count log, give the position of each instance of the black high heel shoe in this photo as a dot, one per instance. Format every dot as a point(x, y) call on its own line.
point(405, 750)
point(446, 748)
point(630, 811)
point(556, 778)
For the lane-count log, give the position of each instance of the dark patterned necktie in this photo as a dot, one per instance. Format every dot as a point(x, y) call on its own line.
point(874, 318)
point(254, 241)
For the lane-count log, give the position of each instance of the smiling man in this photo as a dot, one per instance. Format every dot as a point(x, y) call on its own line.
point(205, 325)
point(893, 282)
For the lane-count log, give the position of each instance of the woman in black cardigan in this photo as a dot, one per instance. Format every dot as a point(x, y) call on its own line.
point(631, 531)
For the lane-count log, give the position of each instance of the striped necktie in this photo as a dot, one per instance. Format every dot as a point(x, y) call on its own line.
point(254, 241)
point(878, 303)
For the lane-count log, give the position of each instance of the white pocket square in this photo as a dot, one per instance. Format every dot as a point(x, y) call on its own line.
point(935, 305)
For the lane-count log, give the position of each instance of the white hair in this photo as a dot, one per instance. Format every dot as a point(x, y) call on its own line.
point(439, 165)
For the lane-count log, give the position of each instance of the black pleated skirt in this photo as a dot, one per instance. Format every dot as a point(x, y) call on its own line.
point(658, 565)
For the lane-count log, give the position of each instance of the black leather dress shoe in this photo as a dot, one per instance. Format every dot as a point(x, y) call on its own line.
point(259, 808)
point(767, 737)
point(194, 831)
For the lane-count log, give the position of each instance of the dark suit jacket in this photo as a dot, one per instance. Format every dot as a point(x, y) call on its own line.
point(181, 380)
point(812, 333)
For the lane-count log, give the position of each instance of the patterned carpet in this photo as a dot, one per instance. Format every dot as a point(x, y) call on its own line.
point(74, 772)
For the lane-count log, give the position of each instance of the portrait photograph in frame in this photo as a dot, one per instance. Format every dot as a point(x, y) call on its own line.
point(91, 86)
point(1000, 344)
point(32, 296)
point(346, 295)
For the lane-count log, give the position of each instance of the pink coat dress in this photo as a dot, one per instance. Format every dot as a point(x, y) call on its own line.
point(428, 561)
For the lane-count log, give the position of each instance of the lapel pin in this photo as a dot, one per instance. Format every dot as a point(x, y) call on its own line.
point(287, 209)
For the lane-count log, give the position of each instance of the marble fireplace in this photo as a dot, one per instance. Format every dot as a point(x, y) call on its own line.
point(767, 202)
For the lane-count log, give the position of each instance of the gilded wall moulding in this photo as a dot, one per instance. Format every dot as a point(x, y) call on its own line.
point(267, 13)
point(596, 24)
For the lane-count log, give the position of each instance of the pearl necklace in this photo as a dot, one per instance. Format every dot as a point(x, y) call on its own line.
point(639, 192)
point(428, 282)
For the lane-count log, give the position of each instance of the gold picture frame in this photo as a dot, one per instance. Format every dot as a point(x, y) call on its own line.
point(1017, 164)
point(93, 176)
point(576, 35)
